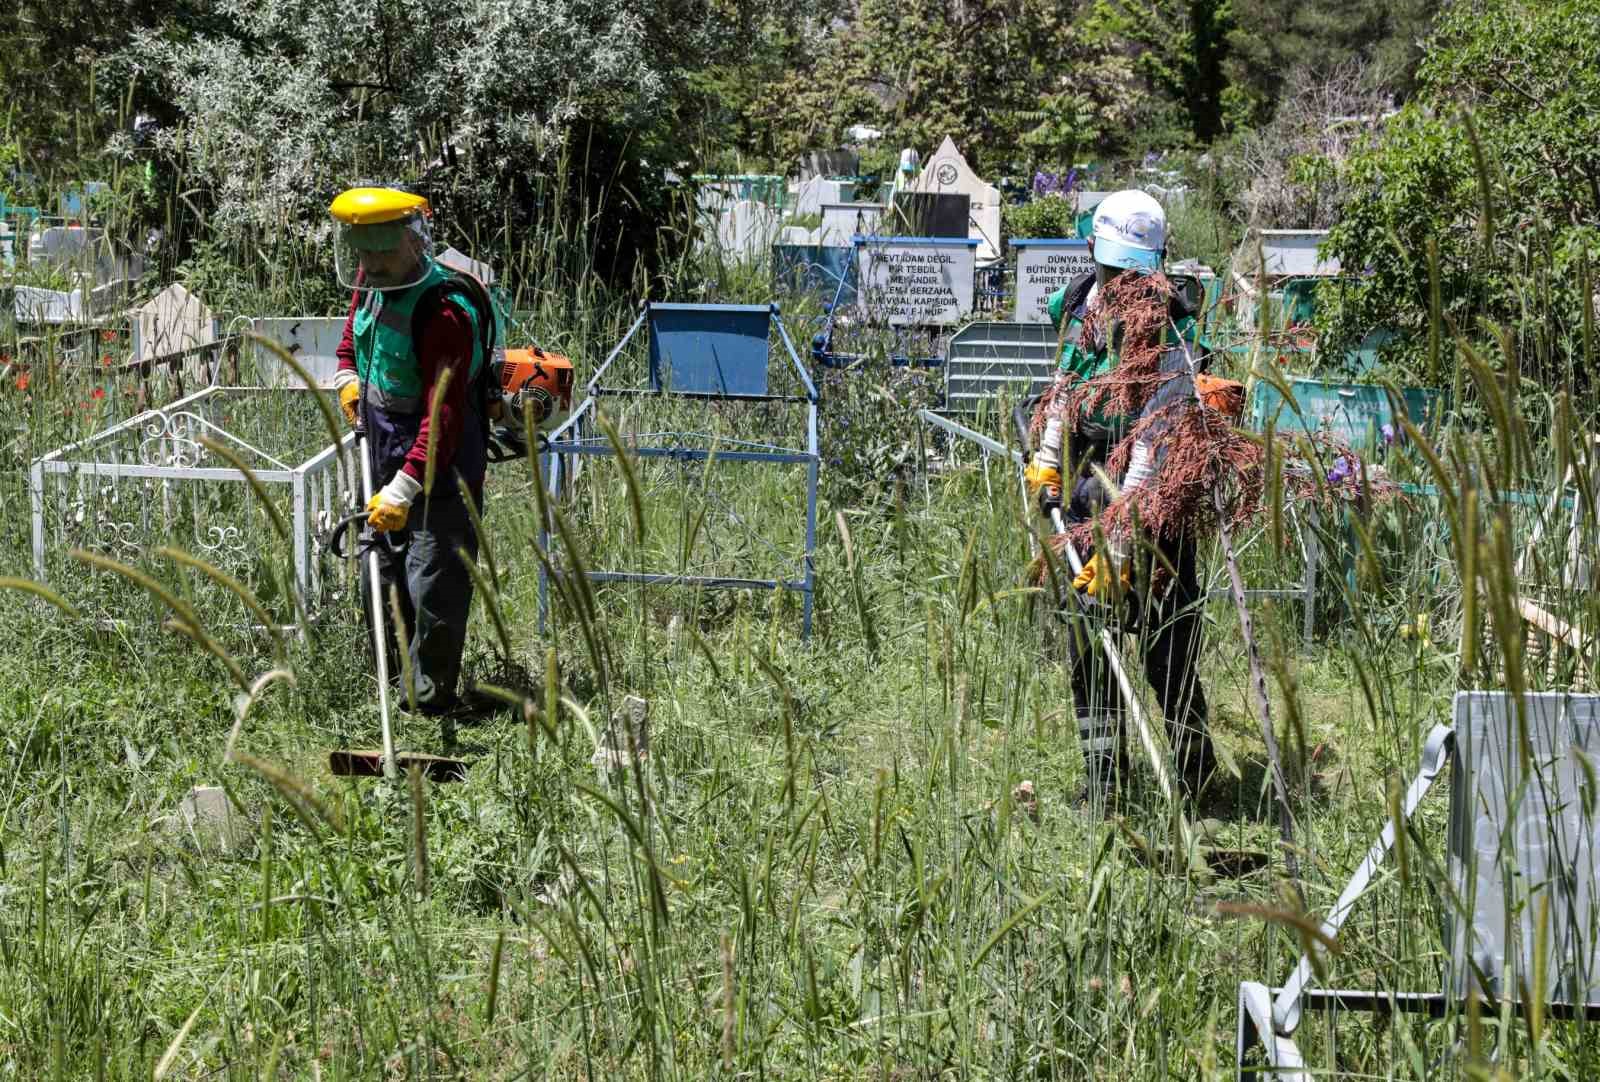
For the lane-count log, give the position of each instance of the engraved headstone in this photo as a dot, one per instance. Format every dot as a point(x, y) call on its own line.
point(947, 172)
point(1044, 266)
point(915, 281)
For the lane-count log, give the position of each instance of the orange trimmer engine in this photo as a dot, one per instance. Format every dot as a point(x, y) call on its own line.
point(533, 383)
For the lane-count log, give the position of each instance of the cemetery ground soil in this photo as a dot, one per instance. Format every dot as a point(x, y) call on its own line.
point(821, 870)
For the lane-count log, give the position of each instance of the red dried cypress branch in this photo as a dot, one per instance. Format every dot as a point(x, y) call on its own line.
point(1133, 309)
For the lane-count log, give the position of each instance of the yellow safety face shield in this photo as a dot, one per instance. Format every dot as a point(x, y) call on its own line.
point(383, 241)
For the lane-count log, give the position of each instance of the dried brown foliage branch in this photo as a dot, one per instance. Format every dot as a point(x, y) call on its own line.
point(1291, 169)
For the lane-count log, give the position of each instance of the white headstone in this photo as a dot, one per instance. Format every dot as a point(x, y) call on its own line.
point(467, 265)
point(170, 322)
point(1044, 266)
point(841, 221)
point(208, 817)
point(312, 341)
point(64, 245)
point(1087, 201)
point(1288, 253)
point(747, 230)
point(34, 305)
point(812, 195)
point(915, 281)
point(947, 172)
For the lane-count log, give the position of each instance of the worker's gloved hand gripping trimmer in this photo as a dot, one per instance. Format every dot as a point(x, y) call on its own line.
point(1108, 638)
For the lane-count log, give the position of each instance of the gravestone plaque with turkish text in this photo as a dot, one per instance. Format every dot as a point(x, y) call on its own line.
point(912, 281)
point(1044, 266)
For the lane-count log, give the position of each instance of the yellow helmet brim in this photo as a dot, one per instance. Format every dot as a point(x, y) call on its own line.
point(373, 206)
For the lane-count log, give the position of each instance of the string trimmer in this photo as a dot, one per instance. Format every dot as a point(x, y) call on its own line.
point(1108, 638)
point(367, 762)
point(1196, 851)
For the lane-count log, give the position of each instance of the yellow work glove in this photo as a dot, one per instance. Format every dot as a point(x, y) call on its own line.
point(1044, 484)
point(1038, 475)
point(349, 394)
point(389, 508)
point(1095, 578)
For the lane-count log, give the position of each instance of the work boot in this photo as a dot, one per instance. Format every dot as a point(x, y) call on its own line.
point(1104, 765)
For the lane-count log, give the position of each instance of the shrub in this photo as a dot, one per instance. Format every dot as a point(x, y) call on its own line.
point(1047, 216)
point(1495, 166)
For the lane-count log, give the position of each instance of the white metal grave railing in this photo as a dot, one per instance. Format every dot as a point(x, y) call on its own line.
point(1522, 840)
point(149, 481)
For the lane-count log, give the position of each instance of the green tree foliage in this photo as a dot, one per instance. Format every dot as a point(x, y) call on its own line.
point(1496, 162)
point(474, 101)
point(1014, 82)
point(1179, 47)
point(59, 107)
point(1270, 42)
point(1045, 216)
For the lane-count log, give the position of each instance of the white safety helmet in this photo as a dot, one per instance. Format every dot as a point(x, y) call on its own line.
point(1130, 231)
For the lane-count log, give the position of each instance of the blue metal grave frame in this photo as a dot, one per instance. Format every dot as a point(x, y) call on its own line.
point(698, 352)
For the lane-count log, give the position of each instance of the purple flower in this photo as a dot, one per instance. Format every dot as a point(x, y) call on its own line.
point(1342, 470)
point(1045, 183)
point(1390, 437)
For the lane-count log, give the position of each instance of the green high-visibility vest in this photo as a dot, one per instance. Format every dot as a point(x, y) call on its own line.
point(386, 355)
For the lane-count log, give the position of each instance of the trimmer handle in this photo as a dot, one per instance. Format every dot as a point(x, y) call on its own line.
point(1022, 421)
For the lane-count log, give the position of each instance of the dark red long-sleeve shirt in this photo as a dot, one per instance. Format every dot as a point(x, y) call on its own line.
point(445, 343)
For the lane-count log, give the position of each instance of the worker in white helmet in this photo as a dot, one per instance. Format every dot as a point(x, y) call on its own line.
point(1074, 447)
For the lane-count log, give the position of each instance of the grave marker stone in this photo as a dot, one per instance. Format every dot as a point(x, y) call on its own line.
point(915, 281)
point(170, 322)
point(1044, 266)
point(842, 221)
point(815, 194)
point(947, 172)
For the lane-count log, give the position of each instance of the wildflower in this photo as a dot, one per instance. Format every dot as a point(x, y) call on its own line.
point(105, 360)
point(98, 393)
point(108, 336)
point(23, 380)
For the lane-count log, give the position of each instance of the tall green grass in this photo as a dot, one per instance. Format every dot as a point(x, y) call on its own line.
point(827, 864)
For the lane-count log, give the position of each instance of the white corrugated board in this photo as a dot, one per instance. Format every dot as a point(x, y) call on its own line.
point(1524, 831)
